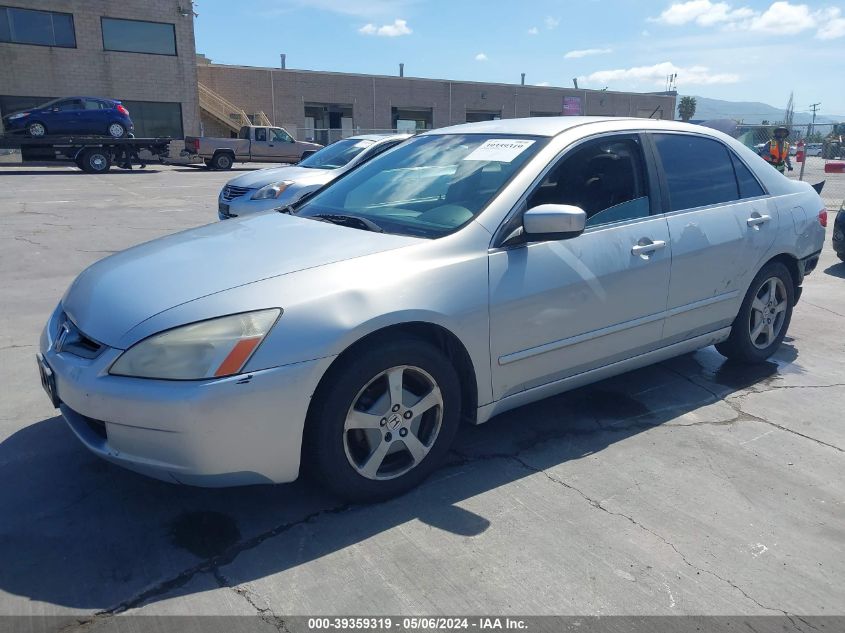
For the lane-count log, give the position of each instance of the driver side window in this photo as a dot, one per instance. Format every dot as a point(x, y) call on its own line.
point(605, 177)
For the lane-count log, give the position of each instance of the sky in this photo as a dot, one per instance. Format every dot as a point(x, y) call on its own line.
point(738, 51)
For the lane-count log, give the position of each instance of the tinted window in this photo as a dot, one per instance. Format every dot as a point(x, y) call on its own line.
point(261, 134)
point(748, 185)
point(91, 104)
point(698, 171)
point(134, 36)
point(606, 178)
point(336, 155)
point(153, 119)
point(46, 28)
point(68, 104)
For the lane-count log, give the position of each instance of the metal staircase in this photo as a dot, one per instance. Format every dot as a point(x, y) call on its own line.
point(227, 112)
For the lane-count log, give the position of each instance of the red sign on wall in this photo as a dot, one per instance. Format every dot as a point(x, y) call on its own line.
point(572, 106)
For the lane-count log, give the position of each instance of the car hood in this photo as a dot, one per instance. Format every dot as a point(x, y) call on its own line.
point(122, 290)
point(303, 175)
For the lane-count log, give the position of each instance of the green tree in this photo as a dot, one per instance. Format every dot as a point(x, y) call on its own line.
point(686, 108)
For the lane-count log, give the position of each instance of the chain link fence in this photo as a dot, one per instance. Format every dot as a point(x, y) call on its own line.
point(822, 158)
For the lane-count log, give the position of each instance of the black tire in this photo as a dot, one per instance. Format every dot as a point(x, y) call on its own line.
point(222, 161)
point(36, 129)
point(740, 346)
point(113, 128)
point(841, 256)
point(95, 161)
point(327, 441)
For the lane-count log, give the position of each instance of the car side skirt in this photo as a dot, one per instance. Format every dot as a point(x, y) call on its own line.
point(487, 411)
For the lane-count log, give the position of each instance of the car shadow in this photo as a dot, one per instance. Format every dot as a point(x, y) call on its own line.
point(78, 532)
point(836, 270)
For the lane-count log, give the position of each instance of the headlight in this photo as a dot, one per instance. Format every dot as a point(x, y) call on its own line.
point(272, 191)
point(208, 349)
point(19, 115)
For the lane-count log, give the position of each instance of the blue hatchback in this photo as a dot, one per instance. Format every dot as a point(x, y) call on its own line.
point(72, 115)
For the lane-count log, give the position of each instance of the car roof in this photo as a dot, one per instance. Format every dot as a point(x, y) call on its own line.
point(554, 125)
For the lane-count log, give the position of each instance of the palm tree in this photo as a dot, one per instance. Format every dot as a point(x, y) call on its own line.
point(686, 108)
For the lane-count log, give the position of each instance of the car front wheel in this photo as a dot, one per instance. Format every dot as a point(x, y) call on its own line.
point(36, 129)
point(764, 317)
point(384, 420)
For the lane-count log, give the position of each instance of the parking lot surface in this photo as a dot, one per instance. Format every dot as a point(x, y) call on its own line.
point(690, 487)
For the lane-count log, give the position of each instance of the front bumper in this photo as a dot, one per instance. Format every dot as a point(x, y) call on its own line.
point(245, 429)
point(244, 205)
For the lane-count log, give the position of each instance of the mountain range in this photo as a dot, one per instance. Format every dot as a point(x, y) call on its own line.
point(752, 112)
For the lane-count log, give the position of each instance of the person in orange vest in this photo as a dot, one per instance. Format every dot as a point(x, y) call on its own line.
point(776, 151)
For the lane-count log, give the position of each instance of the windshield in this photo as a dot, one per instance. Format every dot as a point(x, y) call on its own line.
point(337, 154)
point(428, 186)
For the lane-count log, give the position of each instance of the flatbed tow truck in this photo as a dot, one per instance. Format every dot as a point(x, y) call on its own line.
point(92, 154)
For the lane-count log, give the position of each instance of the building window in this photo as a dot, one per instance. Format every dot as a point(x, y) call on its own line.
point(412, 119)
point(43, 28)
point(135, 36)
point(153, 119)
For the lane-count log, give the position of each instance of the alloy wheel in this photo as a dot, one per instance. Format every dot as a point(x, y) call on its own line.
point(393, 423)
point(116, 130)
point(37, 129)
point(768, 312)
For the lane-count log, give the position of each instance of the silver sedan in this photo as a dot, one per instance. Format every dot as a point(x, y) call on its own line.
point(468, 271)
point(267, 189)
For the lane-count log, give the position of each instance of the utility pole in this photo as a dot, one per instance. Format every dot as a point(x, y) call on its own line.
point(813, 107)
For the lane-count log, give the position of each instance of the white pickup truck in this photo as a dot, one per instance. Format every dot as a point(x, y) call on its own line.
point(258, 144)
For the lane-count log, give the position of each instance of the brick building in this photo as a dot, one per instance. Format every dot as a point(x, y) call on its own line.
point(328, 105)
point(139, 51)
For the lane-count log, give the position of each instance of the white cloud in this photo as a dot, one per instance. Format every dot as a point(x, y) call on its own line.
point(832, 26)
point(586, 52)
point(533, 30)
point(784, 18)
point(551, 23)
point(481, 57)
point(703, 13)
point(645, 33)
point(544, 83)
point(656, 75)
point(780, 18)
point(399, 27)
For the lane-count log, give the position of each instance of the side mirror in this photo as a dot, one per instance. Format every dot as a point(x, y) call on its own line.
point(554, 222)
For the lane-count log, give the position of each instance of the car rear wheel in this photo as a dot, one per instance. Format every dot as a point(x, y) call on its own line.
point(36, 129)
point(841, 256)
point(117, 130)
point(383, 420)
point(764, 317)
point(222, 161)
point(95, 161)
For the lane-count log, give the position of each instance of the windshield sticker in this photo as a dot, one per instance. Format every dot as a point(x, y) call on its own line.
point(502, 150)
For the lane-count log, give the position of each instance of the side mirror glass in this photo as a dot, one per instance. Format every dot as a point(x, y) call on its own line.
point(554, 222)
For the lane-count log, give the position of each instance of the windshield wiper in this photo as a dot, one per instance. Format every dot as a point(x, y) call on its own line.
point(353, 221)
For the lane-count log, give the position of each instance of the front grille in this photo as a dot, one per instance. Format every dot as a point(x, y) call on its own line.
point(70, 339)
point(230, 192)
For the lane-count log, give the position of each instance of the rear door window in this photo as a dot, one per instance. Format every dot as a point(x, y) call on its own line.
point(698, 171)
point(261, 134)
point(749, 187)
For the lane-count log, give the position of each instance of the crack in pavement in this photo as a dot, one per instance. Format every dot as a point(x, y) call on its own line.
point(825, 309)
point(265, 614)
point(733, 401)
point(598, 506)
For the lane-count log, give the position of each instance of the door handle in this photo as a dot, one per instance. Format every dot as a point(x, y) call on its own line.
point(645, 249)
point(756, 220)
